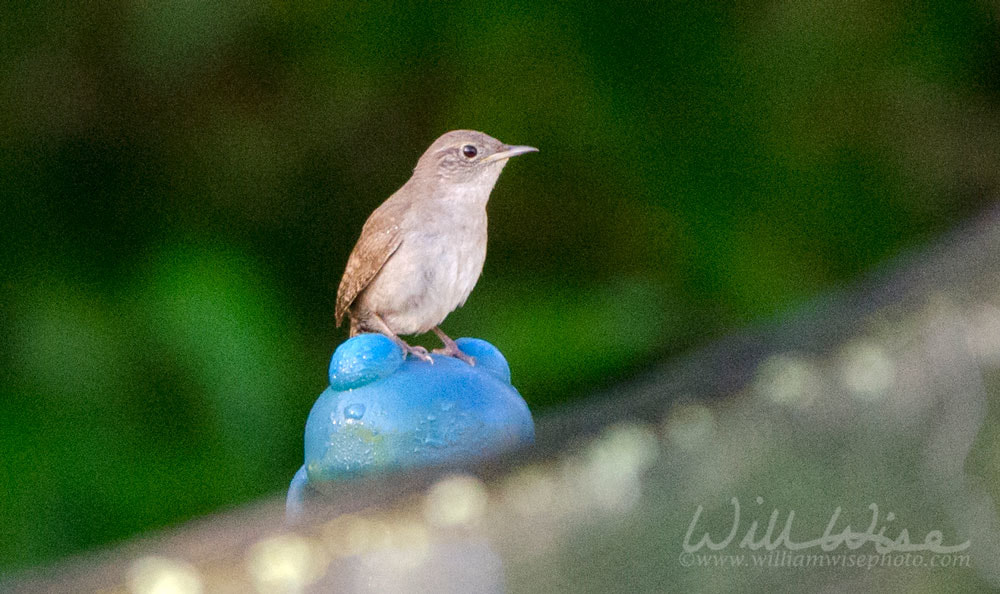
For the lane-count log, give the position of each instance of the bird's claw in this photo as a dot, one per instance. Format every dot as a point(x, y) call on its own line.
point(420, 353)
point(455, 352)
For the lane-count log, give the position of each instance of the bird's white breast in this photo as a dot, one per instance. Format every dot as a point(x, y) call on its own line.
point(433, 271)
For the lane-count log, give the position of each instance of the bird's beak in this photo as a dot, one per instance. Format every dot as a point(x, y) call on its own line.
point(510, 151)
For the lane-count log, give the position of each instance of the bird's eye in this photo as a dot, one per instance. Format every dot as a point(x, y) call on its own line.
point(469, 151)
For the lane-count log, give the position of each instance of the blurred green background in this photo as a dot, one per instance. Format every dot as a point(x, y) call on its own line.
point(183, 181)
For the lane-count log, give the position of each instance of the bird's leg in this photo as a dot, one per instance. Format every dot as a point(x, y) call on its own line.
point(417, 351)
point(451, 349)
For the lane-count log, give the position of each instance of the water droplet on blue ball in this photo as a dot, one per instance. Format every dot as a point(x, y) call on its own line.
point(354, 411)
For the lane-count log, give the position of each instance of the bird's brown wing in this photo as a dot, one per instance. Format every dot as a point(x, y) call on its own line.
point(380, 237)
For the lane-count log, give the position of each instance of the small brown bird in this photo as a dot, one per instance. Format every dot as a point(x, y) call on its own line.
point(421, 252)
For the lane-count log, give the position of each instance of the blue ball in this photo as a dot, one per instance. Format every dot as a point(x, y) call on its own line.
point(383, 412)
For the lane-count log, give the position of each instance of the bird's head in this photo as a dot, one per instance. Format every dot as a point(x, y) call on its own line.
point(467, 157)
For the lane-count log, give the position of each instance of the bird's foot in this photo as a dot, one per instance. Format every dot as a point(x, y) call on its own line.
point(453, 351)
point(417, 351)
point(450, 348)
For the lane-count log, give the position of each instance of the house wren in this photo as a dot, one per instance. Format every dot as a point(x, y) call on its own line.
point(421, 252)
